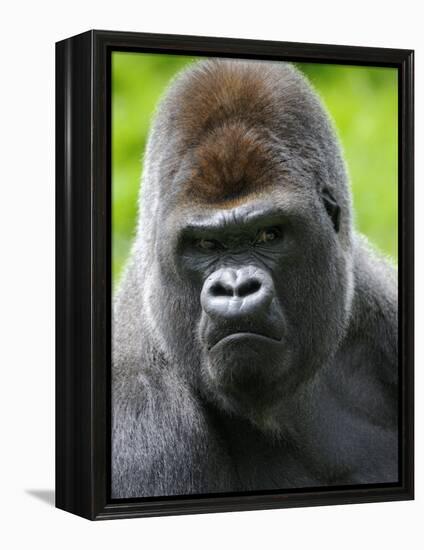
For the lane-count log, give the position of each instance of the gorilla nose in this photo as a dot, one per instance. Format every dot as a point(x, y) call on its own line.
point(236, 293)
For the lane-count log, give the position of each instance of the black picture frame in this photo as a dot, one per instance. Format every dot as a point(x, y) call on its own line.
point(83, 272)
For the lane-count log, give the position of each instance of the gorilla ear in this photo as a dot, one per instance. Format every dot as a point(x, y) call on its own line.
point(333, 209)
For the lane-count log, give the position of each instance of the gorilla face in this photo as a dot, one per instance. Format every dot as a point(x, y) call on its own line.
point(268, 285)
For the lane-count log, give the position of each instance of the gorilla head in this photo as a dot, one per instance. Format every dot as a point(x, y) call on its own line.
point(244, 251)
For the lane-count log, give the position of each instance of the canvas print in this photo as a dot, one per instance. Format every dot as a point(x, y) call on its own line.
point(254, 276)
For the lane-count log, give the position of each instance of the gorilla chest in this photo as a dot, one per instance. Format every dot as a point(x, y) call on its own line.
point(323, 453)
point(262, 464)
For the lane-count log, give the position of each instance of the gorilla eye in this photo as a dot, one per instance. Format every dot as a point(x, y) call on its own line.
point(267, 235)
point(207, 244)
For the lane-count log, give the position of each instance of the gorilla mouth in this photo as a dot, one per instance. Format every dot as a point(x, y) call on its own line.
point(237, 337)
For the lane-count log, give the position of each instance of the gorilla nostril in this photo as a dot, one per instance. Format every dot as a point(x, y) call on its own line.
point(219, 289)
point(248, 287)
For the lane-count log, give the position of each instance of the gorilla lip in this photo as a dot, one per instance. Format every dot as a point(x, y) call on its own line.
point(235, 336)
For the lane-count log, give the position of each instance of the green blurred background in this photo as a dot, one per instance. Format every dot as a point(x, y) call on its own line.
point(361, 100)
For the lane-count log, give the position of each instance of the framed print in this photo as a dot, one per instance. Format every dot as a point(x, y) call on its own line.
point(234, 274)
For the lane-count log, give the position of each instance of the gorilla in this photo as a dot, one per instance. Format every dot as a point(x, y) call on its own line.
point(254, 330)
